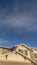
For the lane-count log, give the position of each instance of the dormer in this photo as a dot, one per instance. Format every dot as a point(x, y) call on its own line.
point(22, 48)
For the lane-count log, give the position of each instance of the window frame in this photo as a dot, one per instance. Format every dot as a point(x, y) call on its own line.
point(35, 55)
point(24, 52)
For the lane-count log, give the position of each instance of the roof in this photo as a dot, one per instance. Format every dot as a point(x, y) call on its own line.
point(30, 48)
point(34, 48)
point(24, 46)
point(5, 47)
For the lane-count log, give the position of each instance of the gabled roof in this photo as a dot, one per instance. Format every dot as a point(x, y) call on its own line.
point(23, 45)
point(34, 48)
point(30, 48)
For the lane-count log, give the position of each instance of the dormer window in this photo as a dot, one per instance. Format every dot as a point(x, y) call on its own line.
point(35, 55)
point(20, 50)
point(23, 51)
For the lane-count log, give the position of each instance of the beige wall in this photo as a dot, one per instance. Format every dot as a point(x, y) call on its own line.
point(14, 63)
point(17, 58)
point(6, 51)
point(2, 58)
point(14, 58)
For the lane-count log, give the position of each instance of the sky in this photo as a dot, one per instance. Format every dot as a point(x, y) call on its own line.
point(18, 22)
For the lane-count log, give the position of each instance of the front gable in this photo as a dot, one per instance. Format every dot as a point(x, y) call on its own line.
point(24, 50)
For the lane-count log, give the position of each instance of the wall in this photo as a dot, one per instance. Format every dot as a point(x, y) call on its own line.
point(16, 57)
point(5, 51)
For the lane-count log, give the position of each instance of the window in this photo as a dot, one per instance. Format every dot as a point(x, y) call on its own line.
point(23, 51)
point(20, 50)
point(35, 55)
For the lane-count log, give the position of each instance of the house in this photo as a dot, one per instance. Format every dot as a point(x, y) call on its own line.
point(20, 54)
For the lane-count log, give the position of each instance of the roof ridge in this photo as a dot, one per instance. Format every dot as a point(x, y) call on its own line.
point(24, 45)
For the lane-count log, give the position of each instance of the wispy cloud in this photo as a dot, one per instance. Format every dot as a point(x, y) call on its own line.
point(3, 41)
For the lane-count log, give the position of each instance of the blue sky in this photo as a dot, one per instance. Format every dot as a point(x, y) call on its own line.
point(18, 22)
